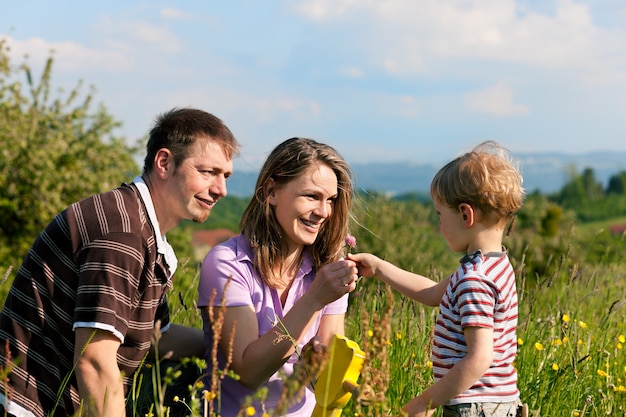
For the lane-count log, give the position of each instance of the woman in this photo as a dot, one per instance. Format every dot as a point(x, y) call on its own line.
point(283, 281)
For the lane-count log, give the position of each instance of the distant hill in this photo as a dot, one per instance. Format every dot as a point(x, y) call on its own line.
point(546, 173)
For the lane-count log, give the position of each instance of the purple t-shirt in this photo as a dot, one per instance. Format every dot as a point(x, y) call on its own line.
point(233, 259)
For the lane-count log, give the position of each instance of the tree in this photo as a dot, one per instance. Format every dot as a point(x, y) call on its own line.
point(617, 184)
point(54, 152)
point(581, 189)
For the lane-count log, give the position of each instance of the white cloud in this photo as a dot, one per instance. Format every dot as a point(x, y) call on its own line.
point(352, 72)
point(176, 14)
point(496, 100)
point(328, 9)
point(121, 46)
point(69, 56)
point(411, 37)
point(139, 34)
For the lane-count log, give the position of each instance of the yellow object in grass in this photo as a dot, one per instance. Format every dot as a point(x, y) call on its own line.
point(338, 380)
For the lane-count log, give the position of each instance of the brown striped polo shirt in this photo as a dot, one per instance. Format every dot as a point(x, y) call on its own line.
point(96, 264)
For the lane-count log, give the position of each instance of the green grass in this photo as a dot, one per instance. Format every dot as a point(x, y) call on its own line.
point(571, 352)
point(572, 327)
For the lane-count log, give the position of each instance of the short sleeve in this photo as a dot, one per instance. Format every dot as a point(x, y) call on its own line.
point(339, 306)
point(475, 301)
point(228, 275)
point(109, 280)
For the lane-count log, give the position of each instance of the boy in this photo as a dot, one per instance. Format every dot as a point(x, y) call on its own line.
point(476, 196)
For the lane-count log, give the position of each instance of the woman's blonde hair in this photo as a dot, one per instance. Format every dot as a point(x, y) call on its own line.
point(486, 178)
point(285, 163)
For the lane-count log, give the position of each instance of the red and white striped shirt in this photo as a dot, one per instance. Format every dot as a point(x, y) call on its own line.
point(481, 293)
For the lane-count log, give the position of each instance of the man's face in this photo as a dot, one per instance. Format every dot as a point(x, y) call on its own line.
point(199, 182)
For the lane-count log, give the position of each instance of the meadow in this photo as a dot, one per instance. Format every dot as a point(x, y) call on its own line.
point(571, 333)
point(570, 272)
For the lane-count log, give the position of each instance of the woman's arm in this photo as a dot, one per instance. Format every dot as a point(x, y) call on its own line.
point(182, 341)
point(256, 358)
point(330, 325)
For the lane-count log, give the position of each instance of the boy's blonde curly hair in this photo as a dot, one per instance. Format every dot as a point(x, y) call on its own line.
point(486, 178)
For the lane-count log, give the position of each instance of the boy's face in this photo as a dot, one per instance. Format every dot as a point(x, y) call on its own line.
point(451, 226)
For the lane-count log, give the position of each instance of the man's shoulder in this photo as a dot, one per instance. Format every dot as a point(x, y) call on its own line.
point(125, 192)
point(118, 210)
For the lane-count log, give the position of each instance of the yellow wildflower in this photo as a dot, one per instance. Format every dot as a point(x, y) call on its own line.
point(582, 324)
point(565, 339)
point(370, 333)
point(538, 346)
point(602, 373)
point(250, 411)
point(621, 338)
point(555, 367)
point(565, 318)
point(520, 341)
point(176, 399)
point(398, 335)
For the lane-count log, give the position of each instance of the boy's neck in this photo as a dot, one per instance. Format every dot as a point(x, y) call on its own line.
point(486, 240)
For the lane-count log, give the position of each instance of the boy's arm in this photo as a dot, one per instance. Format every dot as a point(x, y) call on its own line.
point(414, 286)
point(460, 377)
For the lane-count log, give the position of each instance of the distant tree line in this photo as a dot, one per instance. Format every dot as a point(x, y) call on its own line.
point(585, 195)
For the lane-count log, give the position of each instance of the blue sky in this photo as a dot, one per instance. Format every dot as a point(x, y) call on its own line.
point(386, 80)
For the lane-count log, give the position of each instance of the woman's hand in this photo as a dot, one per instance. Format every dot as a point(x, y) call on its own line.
point(316, 344)
point(333, 281)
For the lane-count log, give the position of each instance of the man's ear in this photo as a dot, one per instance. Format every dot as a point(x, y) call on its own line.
point(164, 163)
point(467, 214)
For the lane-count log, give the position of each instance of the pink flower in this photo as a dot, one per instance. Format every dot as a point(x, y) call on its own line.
point(351, 241)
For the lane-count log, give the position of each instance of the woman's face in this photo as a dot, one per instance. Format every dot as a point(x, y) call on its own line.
point(304, 204)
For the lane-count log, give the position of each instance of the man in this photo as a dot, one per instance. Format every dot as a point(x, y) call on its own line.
point(80, 314)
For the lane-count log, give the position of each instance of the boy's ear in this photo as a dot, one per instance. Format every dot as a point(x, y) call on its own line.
point(467, 214)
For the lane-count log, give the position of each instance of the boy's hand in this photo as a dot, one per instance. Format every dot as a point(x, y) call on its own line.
point(366, 263)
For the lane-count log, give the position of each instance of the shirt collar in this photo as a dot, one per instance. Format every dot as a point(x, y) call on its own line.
point(163, 247)
point(246, 254)
point(471, 257)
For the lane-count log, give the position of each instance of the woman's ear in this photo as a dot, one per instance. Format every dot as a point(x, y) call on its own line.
point(269, 191)
point(467, 214)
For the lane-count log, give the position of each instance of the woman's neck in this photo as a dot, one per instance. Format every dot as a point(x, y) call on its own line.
point(288, 267)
